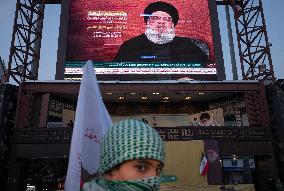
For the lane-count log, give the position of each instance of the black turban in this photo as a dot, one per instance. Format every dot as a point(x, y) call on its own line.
point(161, 6)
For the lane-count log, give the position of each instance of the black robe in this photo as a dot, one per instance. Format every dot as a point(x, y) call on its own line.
point(180, 49)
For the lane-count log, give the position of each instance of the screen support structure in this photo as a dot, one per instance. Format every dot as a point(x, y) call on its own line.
point(26, 41)
point(253, 44)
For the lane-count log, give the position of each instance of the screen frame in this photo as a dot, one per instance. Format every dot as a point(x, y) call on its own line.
point(216, 38)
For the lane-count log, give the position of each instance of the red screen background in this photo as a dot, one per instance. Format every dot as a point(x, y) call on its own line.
point(194, 22)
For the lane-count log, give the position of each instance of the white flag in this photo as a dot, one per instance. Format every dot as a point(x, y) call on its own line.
point(91, 123)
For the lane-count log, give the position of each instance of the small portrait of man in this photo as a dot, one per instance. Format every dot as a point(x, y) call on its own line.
point(214, 175)
point(205, 120)
point(212, 155)
point(160, 42)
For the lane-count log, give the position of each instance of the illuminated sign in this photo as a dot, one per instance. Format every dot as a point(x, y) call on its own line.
point(145, 37)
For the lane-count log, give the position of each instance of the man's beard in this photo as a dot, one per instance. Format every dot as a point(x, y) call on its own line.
point(160, 38)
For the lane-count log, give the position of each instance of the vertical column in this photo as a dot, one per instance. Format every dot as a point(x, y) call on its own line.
point(62, 40)
point(44, 110)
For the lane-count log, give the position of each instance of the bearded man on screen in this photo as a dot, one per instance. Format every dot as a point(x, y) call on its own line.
point(159, 42)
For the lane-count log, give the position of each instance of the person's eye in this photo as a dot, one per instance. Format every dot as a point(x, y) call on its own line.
point(141, 168)
point(155, 18)
point(167, 18)
point(158, 171)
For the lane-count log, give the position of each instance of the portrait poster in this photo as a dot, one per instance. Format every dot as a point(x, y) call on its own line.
point(216, 117)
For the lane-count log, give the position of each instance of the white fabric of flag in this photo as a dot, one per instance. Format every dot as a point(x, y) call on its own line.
point(92, 120)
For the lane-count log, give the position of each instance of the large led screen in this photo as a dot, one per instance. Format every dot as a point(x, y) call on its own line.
point(140, 37)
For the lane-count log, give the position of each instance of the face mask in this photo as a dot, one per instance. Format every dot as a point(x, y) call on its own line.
point(147, 184)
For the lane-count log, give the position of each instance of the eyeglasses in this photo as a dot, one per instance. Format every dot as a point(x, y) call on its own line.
point(156, 18)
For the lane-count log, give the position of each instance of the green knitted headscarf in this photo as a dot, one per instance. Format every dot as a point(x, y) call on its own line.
point(130, 140)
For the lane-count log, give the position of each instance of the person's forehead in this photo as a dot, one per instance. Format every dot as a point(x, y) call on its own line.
point(210, 150)
point(152, 162)
point(161, 14)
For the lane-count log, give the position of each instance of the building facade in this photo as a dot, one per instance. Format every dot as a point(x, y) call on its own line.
point(239, 131)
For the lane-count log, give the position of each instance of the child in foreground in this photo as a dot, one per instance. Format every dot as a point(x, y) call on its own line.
point(132, 157)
